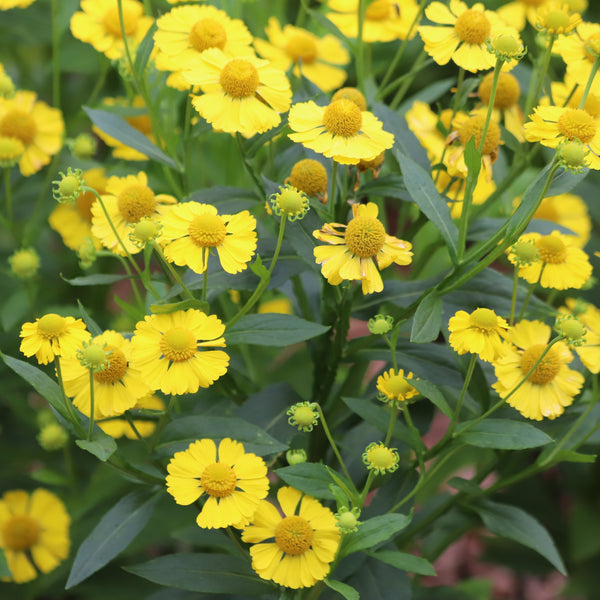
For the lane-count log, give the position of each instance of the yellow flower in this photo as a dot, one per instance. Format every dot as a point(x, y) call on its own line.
point(52, 335)
point(380, 459)
point(550, 387)
point(35, 532)
point(235, 481)
point(309, 176)
point(191, 229)
point(127, 200)
point(295, 550)
point(8, 4)
point(395, 386)
point(169, 350)
point(117, 428)
point(480, 332)
point(310, 55)
point(280, 305)
point(356, 251)
point(562, 265)
point(36, 125)
point(518, 12)
point(579, 52)
point(24, 263)
point(427, 127)
point(589, 315)
point(242, 95)
point(340, 131)
point(98, 24)
point(557, 18)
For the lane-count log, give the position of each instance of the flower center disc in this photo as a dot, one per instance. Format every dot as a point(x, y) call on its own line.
point(483, 318)
point(178, 344)
point(473, 127)
point(218, 480)
point(507, 90)
point(136, 201)
point(18, 124)
point(302, 46)
point(239, 78)
point(294, 535)
point(378, 10)
point(207, 33)
point(398, 385)
point(556, 20)
point(51, 325)
point(381, 457)
point(342, 117)
point(552, 249)
point(548, 368)
point(472, 27)
point(207, 231)
point(575, 123)
point(365, 236)
point(20, 532)
point(112, 24)
point(116, 368)
point(309, 176)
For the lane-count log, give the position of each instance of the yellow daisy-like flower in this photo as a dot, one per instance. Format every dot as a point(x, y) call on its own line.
point(117, 428)
point(52, 335)
point(233, 480)
point(579, 52)
point(557, 18)
point(480, 332)
point(309, 176)
point(396, 387)
point(380, 459)
point(310, 55)
point(385, 20)
point(169, 350)
point(463, 34)
point(519, 12)
point(340, 131)
point(34, 532)
point(128, 200)
point(427, 127)
point(36, 125)
point(242, 95)
point(295, 550)
point(562, 264)
point(589, 315)
point(190, 230)
point(98, 24)
point(552, 385)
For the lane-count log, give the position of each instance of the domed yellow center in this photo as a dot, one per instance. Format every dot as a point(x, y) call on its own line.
point(350, 93)
point(592, 46)
point(178, 344)
point(112, 24)
point(207, 33)
point(20, 532)
point(304, 416)
point(11, 148)
point(472, 27)
point(18, 124)
point(207, 231)
point(378, 10)
point(473, 128)
point(342, 117)
point(239, 78)
point(302, 46)
point(115, 369)
point(398, 386)
point(483, 318)
point(556, 20)
point(309, 176)
point(507, 90)
point(365, 236)
point(136, 201)
point(51, 325)
point(552, 249)
point(294, 535)
point(381, 457)
point(218, 480)
point(548, 368)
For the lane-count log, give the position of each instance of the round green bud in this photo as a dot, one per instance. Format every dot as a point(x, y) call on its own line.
point(347, 521)
point(525, 252)
point(304, 416)
point(380, 324)
point(145, 230)
point(7, 87)
point(295, 457)
point(68, 185)
point(24, 263)
point(84, 146)
point(93, 357)
point(572, 328)
point(507, 45)
point(572, 154)
point(53, 437)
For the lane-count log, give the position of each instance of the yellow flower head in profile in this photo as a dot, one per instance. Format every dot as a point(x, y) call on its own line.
point(36, 125)
point(294, 550)
point(579, 52)
point(51, 336)
point(117, 428)
point(233, 480)
point(128, 200)
point(562, 264)
point(314, 57)
point(557, 18)
point(480, 332)
point(589, 315)
point(550, 387)
point(309, 176)
point(170, 351)
point(243, 94)
point(395, 387)
point(190, 230)
point(341, 131)
point(98, 24)
point(358, 250)
point(460, 34)
point(35, 532)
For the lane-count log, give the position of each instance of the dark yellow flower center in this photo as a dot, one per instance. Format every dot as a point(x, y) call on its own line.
point(483, 318)
point(350, 93)
point(592, 46)
point(378, 10)
point(116, 367)
point(302, 46)
point(207, 231)
point(473, 128)
point(11, 149)
point(207, 33)
point(136, 201)
point(507, 90)
point(218, 480)
point(381, 457)
point(398, 386)
point(365, 236)
point(533, 2)
point(51, 325)
point(552, 249)
point(294, 535)
point(309, 176)
point(18, 124)
point(112, 24)
point(548, 368)
point(472, 27)
point(178, 344)
point(556, 20)
point(20, 532)
point(342, 117)
point(239, 78)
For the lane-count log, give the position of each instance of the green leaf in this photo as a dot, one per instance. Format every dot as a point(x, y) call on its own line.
point(503, 434)
point(14, 309)
point(92, 326)
point(390, 185)
point(49, 477)
point(472, 159)
point(204, 573)
point(374, 531)
point(98, 279)
point(404, 561)
point(343, 589)
point(433, 394)
point(115, 531)
point(143, 52)
point(565, 456)
point(101, 445)
point(427, 320)
point(378, 416)
point(182, 305)
point(4, 569)
point(515, 524)
point(121, 130)
point(273, 330)
point(310, 478)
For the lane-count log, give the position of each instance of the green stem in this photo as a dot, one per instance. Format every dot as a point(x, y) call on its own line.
point(72, 416)
point(419, 446)
point(463, 392)
point(56, 33)
point(360, 47)
point(171, 270)
point(162, 422)
point(135, 429)
point(513, 300)
point(332, 195)
point(415, 68)
point(392, 422)
point(134, 283)
point(205, 275)
point(92, 405)
point(590, 81)
point(530, 293)
point(532, 100)
point(8, 193)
